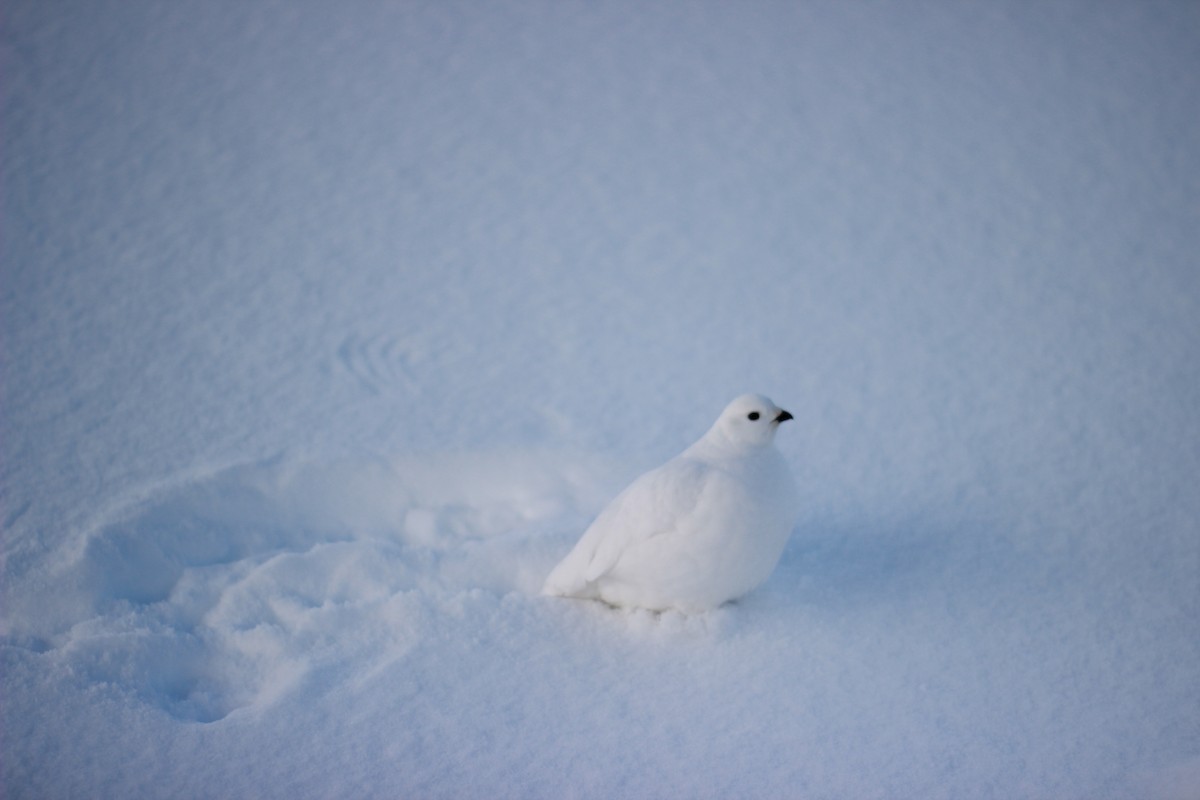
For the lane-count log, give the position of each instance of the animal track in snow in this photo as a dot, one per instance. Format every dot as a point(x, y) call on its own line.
point(383, 364)
point(227, 592)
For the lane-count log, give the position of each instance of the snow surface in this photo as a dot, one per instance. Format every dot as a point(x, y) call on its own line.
point(327, 327)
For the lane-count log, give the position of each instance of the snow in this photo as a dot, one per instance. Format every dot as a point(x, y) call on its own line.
point(327, 329)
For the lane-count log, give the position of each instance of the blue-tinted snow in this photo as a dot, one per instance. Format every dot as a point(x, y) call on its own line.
point(327, 327)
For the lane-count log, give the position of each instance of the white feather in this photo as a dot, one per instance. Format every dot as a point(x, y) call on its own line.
point(704, 528)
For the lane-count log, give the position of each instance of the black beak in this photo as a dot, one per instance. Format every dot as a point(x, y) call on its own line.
point(783, 417)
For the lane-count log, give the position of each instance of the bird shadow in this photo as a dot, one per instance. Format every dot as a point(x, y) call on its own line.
point(852, 562)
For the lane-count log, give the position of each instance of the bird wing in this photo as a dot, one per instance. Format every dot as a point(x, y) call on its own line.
point(655, 504)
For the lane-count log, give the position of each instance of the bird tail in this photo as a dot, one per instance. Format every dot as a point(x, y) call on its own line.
point(563, 581)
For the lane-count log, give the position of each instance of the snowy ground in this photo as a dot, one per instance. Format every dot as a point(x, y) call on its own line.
point(328, 326)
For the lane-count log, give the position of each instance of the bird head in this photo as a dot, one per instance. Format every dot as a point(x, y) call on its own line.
point(749, 421)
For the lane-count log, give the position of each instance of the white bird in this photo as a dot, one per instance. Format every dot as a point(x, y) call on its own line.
point(704, 528)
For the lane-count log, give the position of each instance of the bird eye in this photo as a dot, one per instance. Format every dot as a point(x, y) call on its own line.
point(753, 415)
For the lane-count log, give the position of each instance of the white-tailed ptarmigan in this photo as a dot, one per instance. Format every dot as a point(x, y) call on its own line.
point(706, 527)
